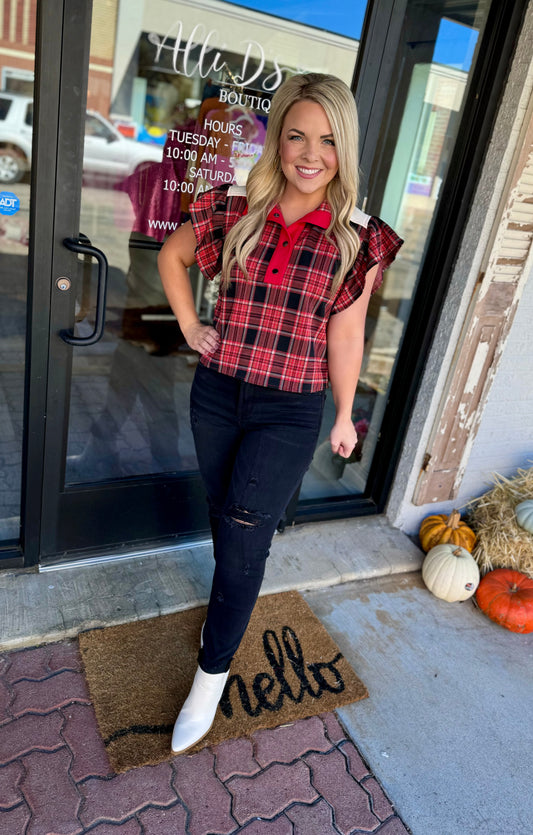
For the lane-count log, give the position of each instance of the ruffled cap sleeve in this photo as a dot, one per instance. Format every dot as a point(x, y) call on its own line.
point(379, 245)
point(212, 216)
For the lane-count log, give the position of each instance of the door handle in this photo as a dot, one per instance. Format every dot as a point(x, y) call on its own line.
point(83, 246)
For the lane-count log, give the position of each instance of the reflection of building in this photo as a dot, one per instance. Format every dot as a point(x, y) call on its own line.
point(421, 157)
point(17, 49)
point(17, 46)
point(102, 52)
point(433, 105)
point(262, 49)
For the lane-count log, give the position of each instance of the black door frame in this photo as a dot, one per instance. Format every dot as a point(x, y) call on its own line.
point(50, 179)
point(43, 187)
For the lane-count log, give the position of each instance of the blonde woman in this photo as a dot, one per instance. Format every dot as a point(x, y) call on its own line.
point(299, 263)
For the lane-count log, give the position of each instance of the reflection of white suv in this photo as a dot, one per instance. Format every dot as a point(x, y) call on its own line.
point(107, 154)
point(16, 121)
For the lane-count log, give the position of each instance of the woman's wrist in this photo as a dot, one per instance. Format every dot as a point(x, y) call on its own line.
point(343, 414)
point(188, 326)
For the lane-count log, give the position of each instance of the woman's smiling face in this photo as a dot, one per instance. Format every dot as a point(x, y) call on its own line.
point(307, 152)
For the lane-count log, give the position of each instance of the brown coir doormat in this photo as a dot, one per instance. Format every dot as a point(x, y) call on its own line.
point(139, 675)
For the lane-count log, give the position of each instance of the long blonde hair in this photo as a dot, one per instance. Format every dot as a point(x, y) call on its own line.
point(266, 181)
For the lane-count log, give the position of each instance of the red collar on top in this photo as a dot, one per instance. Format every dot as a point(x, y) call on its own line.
point(321, 216)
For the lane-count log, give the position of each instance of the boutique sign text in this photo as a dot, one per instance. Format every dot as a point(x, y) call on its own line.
point(209, 60)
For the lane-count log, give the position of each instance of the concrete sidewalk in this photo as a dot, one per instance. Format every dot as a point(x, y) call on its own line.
point(57, 604)
point(443, 745)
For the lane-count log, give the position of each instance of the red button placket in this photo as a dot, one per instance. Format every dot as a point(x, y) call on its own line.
point(288, 238)
point(280, 260)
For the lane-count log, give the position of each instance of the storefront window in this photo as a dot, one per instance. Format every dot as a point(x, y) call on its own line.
point(434, 62)
point(178, 101)
point(17, 39)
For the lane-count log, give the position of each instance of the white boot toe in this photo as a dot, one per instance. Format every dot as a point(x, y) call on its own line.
point(198, 712)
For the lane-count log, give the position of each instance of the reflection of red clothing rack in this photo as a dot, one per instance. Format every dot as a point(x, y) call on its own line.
point(212, 109)
point(150, 200)
point(209, 104)
point(155, 206)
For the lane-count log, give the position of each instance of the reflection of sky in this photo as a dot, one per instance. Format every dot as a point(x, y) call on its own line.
point(455, 45)
point(344, 17)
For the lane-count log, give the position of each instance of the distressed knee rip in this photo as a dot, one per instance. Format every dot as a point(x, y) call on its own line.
point(241, 517)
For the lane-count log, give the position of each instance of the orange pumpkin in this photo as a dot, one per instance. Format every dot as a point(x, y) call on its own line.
point(506, 597)
point(441, 528)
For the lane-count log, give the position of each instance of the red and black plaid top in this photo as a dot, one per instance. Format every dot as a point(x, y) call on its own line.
point(273, 325)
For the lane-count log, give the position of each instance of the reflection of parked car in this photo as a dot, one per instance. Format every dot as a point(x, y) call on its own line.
point(16, 121)
point(107, 153)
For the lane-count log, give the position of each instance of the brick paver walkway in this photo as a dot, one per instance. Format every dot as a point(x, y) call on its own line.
point(303, 779)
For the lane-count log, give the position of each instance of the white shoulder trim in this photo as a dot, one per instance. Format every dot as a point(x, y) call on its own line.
point(360, 218)
point(237, 191)
point(357, 215)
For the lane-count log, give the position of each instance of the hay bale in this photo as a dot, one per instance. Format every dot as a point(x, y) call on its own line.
point(501, 542)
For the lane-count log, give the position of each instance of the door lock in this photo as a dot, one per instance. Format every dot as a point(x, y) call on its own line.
point(63, 283)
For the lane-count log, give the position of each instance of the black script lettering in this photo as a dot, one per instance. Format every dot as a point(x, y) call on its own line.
point(261, 692)
point(278, 664)
point(293, 648)
point(225, 702)
point(263, 685)
point(316, 670)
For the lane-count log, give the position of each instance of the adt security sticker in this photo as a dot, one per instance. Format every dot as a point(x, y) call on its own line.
point(9, 203)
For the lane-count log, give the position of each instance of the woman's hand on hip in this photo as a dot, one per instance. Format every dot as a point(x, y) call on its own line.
point(202, 338)
point(343, 437)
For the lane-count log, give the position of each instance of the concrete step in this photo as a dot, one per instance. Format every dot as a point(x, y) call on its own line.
point(44, 606)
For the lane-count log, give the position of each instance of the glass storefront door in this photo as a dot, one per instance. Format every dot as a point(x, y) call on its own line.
point(182, 105)
point(177, 101)
point(17, 46)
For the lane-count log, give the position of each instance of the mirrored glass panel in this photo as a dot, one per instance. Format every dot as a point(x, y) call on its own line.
point(178, 101)
point(17, 46)
point(433, 67)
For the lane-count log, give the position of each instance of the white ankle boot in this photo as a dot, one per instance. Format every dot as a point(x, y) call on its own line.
point(198, 712)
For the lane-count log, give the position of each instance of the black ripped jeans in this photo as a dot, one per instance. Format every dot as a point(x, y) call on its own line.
point(254, 445)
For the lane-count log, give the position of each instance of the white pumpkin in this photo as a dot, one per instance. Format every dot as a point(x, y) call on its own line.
point(524, 515)
point(450, 572)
